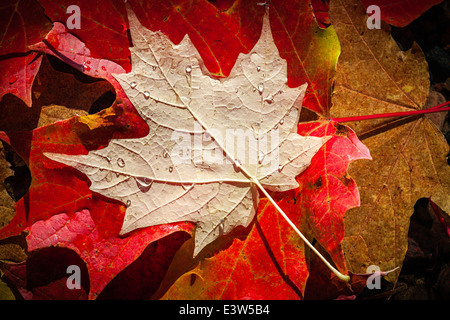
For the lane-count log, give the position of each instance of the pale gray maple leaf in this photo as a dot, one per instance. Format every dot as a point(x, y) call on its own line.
point(211, 143)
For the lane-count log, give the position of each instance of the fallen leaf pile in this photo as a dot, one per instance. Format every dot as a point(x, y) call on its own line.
point(119, 148)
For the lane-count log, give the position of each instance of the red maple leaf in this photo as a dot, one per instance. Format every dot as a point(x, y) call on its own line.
point(22, 23)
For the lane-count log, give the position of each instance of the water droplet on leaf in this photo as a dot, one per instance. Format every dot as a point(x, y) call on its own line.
point(121, 162)
point(260, 88)
point(236, 165)
point(186, 186)
point(133, 84)
point(144, 183)
point(13, 79)
point(269, 99)
point(146, 95)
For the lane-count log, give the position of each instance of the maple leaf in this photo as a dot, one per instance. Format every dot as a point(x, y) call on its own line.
point(375, 76)
point(326, 190)
point(270, 255)
point(311, 51)
point(172, 90)
point(22, 23)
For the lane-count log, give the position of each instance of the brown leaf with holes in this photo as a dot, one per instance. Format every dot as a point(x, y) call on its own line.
point(409, 155)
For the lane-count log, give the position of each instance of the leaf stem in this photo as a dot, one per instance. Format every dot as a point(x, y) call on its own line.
point(438, 108)
point(293, 226)
point(439, 216)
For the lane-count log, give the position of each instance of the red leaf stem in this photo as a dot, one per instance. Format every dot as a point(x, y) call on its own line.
point(439, 216)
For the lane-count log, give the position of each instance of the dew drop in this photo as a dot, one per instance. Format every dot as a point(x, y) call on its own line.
point(188, 69)
point(269, 99)
point(146, 95)
point(236, 165)
point(154, 68)
point(86, 67)
point(186, 186)
point(133, 84)
point(13, 79)
point(258, 68)
point(282, 121)
point(261, 157)
point(260, 88)
point(280, 168)
point(144, 183)
point(128, 204)
point(121, 162)
point(170, 169)
point(254, 89)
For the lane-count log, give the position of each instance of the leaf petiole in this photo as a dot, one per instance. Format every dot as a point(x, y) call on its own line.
point(341, 276)
point(438, 108)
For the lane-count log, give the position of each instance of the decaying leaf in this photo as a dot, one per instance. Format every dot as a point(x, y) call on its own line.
point(191, 167)
point(409, 155)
